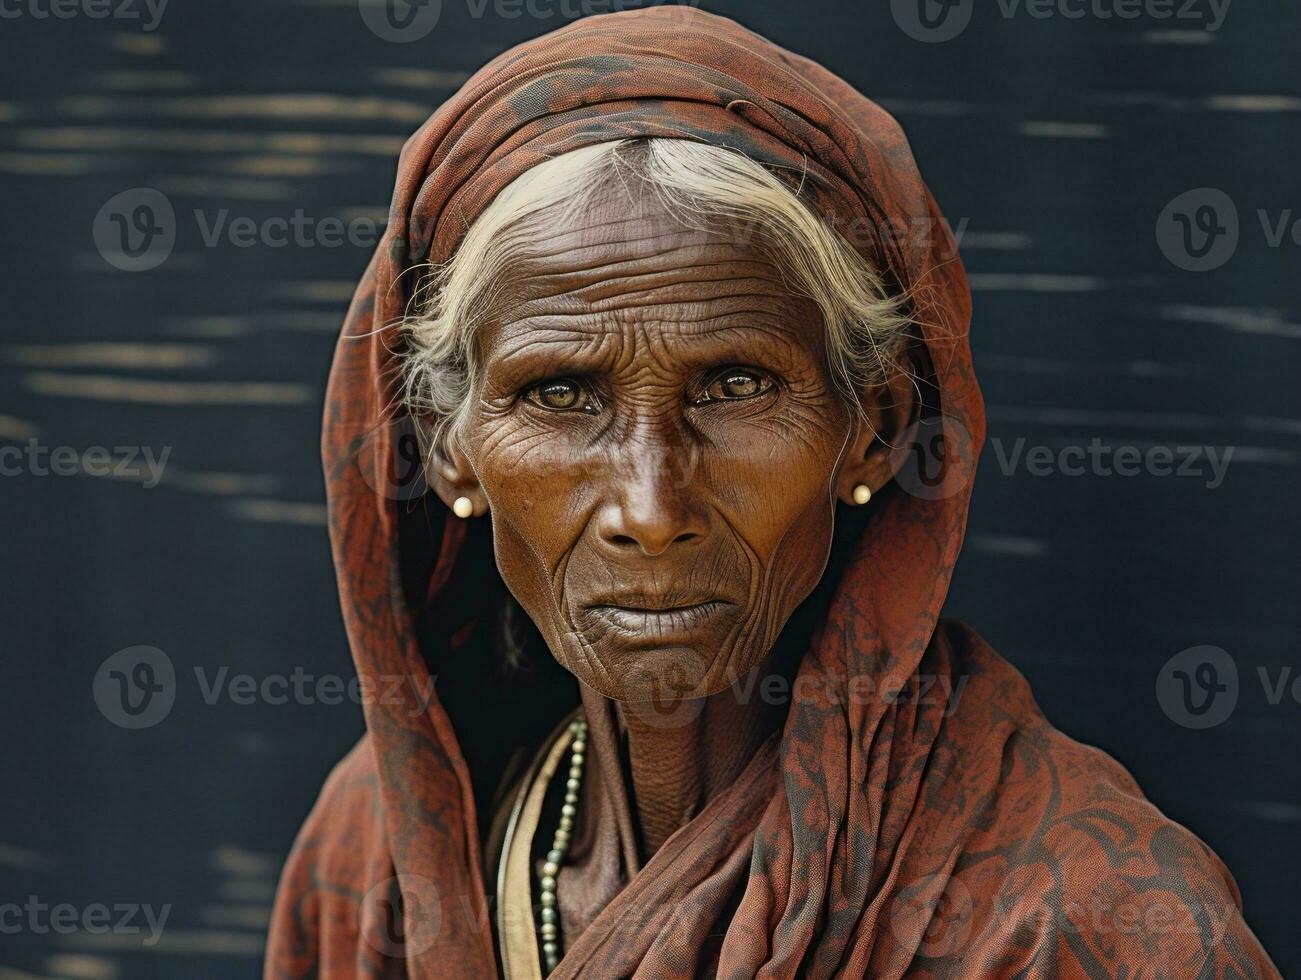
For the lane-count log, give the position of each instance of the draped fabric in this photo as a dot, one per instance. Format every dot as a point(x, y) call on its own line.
point(916, 815)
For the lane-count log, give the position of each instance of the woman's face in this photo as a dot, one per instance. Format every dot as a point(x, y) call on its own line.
point(657, 439)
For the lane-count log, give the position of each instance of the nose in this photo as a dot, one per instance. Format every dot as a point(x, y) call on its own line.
point(649, 504)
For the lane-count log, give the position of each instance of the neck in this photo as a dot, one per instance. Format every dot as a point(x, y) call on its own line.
point(685, 753)
point(676, 756)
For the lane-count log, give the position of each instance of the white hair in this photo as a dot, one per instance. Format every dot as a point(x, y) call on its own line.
point(704, 186)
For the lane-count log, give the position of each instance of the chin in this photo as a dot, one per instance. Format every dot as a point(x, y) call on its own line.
point(658, 673)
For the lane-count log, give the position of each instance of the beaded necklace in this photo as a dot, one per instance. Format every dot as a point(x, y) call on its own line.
point(549, 928)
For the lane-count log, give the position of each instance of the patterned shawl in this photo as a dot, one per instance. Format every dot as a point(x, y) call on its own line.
point(893, 827)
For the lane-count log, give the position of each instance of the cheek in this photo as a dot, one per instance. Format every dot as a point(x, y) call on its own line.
point(800, 556)
point(776, 493)
point(534, 487)
point(775, 484)
point(537, 484)
point(524, 569)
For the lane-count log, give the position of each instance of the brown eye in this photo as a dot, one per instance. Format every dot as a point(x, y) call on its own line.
point(559, 395)
point(736, 383)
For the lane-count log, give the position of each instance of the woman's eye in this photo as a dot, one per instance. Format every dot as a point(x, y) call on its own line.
point(559, 395)
point(736, 383)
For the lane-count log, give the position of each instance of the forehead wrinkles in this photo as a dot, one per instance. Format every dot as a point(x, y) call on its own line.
point(707, 306)
point(635, 345)
point(633, 237)
point(669, 341)
point(608, 278)
point(640, 290)
point(633, 284)
point(641, 229)
point(596, 254)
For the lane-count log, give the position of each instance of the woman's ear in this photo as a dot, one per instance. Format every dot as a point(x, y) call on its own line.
point(890, 409)
point(450, 475)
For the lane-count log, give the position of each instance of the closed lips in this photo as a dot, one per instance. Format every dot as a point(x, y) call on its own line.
point(654, 604)
point(660, 620)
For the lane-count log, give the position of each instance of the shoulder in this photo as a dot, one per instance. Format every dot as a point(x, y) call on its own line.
point(1065, 858)
point(338, 855)
point(346, 809)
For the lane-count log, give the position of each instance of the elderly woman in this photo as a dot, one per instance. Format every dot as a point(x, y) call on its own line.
point(666, 310)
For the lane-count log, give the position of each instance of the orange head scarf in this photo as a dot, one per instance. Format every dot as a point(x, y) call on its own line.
point(916, 814)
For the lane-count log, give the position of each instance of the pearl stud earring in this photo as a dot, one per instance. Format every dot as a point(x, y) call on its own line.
point(862, 494)
point(462, 507)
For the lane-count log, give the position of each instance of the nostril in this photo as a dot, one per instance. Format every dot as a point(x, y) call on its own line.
point(628, 540)
point(649, 527)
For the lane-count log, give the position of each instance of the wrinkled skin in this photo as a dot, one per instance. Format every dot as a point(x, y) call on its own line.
point(657, 438)
point(660, 446)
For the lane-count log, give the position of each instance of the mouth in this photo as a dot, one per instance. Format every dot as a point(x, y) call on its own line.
point(657, 621)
